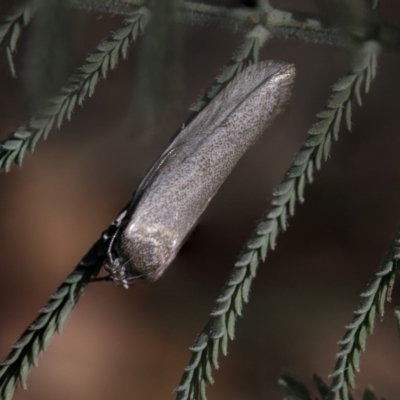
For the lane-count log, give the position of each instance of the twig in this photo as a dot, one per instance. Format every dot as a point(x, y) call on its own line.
point(109, 6)
point(280, 23)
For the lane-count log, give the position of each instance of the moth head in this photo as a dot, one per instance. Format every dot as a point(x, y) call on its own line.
point(143, 254)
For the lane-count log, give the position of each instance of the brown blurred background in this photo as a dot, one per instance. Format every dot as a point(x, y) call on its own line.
point(133, 344)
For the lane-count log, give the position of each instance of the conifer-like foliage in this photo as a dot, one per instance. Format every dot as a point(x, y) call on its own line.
point(356, 24)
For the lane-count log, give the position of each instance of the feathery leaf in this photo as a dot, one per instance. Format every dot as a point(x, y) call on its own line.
point(11, 28)
point(25, 352)
point(294, 387)
point(236, 291)
point(354, 341)
point(78, 86)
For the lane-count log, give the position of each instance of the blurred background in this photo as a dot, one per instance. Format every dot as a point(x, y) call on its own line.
point(133, 344)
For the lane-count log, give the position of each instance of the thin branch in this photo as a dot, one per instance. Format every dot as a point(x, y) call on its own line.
point(78, 86)
point(281, 24)
point(11, 28)
point(25, 352)
point(354, 341)
point(235, 294)
point(109, 6)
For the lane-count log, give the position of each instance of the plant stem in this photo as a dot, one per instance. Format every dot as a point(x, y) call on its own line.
point(281, 24)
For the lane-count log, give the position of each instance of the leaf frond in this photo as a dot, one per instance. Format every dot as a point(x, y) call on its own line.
point(322, 387)
point(81, 84)
point(11, 28)
point(294, 387)
point(296, 390)
point(51, 319)
point(354, 342)
point(235, 294)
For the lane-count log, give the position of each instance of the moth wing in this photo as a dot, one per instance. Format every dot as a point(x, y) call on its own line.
point(223, 105)
point(237, 92)
point(146, 182)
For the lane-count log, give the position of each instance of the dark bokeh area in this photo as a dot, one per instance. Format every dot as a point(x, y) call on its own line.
point(133, 344)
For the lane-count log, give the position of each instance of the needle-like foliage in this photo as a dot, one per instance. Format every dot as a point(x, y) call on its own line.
point(52, 318)
point(293, 387)
point(354, 341)
point(221, 327)
point(296, 390)
point(261, 24)
point(25, 352)
point(81, 84)
point(10, 30)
